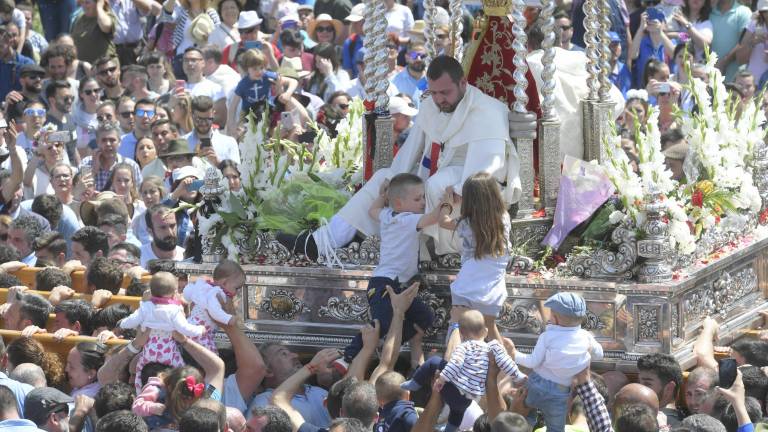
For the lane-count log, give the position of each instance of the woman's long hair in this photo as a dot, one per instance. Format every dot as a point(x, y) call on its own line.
point(28, 350)
point(125, 167)
point(316, 83)
point(703, 13)
point(483, 208)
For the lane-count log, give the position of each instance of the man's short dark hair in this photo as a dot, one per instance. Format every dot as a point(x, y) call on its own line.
point(202, 103)
point(35, 308)
point(509, 422)
point(336, 395)
point(212, 52)
point(199, 420)
point(53, 241)
point(139, 71)
point(8, 280)
point(637, 418)
point(755, 382)
point(54, 86)
point(104, 60)
point(360, 402)
point(664, 366)
point(8, 402)
point(113, 397)
point(30, 225)
point(155, 209)
point(121, 421)
point(702, 423)
point(51, 277)
point(77, 310)
point(755, 352)
point(114, 220)
point(671, 136)
point(129, 248)
point(277, 419)
point(164, 121)
point(723, 410)
point(105, 274)
point(57, 50)
point(8, 253)
point(92, 239)
point(143, 101)
point(444, 64)
point(347, 424)
point(105, 128)
point(110, 316)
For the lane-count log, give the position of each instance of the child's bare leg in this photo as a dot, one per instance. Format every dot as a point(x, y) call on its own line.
point(493, 331)
point(417, 349)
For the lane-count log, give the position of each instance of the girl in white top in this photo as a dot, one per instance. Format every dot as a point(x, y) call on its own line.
point(484, 227)
point(163, 314)
point(45, 156)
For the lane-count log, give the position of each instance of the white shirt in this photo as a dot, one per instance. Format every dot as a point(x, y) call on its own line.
point(164, 317)
point(223, 36)
point(205, 87)
point(561, 352)
point(206, 296)
point(399, 245)
point(227, 78)
point(225, 146)
point(399, 20)
point(147, 254)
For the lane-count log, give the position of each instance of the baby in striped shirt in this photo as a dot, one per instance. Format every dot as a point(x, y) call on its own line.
point(463, 377)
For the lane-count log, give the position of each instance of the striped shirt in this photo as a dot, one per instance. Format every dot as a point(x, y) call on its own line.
point(468, 367)
point(182, 39)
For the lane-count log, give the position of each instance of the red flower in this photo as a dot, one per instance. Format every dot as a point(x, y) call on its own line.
point(369, 105)
point(764, 217)
point(697, 198)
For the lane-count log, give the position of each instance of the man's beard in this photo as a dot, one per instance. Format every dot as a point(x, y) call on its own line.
point(417, 67)
point(32, 89)
point(453, 107)
point(167, 244)
point(64, 108)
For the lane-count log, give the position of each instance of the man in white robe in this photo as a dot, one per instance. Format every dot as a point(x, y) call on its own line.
point(467, 130)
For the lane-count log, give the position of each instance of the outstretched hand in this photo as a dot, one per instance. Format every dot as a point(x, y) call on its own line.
point(401, 302)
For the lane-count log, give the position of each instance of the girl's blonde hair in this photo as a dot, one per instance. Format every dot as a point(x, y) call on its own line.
point(179, 398)
point(484, 209)
point(157, 182)
point(183, 103)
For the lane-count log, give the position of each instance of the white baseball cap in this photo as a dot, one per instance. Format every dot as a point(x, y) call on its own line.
point(398, 105)
point(187, 171)
point(357, 13)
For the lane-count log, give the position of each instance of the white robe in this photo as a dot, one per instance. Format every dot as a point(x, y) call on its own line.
point(475, 139)
point(570, 89)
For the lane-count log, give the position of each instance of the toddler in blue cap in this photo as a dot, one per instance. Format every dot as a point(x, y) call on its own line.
point(561, 352)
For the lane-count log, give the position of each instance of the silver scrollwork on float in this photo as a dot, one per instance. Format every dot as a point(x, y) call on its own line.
point(353, 308)
point(283, 305)
point(520, 315)
point(605, 264)
point(655, 246)
point(648, 323)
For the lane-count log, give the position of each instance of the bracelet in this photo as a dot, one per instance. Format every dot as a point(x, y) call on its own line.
point(312, 369)
point(132, 348)
point(443, 205)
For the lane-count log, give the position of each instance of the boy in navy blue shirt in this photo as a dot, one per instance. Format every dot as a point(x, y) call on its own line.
point(396, 412)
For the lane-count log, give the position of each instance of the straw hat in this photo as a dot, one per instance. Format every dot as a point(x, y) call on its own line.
point(292, 68)
point(201, 28)
point(325, 18)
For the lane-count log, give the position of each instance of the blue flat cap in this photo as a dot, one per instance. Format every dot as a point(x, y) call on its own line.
point(568, 304)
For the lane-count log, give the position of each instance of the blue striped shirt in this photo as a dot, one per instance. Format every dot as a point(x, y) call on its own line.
point(468, 367)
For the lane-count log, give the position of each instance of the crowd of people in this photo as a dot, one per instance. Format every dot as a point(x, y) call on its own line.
point(132, 101)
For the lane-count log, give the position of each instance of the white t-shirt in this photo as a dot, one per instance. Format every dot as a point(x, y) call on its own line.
point(399, 20)
point(222, 36)
point(399, 245)
point(205, 87)
point(147, 254)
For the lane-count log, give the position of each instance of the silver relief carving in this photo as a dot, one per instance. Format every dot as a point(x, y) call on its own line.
point(593, 322)
point(353, 308)
point(440, 307)
point(363, 253)
point(605, 264)
point(520, 316)
point(648, 323)
point(655, 246)
point(283, 305)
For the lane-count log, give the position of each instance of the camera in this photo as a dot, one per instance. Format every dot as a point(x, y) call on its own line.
point(61, 136)
point(664, 88)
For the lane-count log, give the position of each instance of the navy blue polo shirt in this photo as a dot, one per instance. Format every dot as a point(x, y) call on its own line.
point(9, 74)
point(396, 416)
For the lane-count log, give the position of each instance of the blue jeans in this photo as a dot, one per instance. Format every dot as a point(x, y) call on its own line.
point(380, 307)
point(551, 399)
point(55, 16)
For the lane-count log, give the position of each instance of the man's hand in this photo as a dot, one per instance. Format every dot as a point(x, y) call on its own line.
point(736, 393)
point(83, 404)
point(323, 358)
point(439, 384)
point(15, 292)
point(370, 334)
point(518, 395)
point(10, 135)
point(583, 377)
point(401, 302)
point(522, 125)
point(210, 154)
point(103, 337)
point(62, 333)
point(29, 331)
point(509, 346)
point(12, 266)
point(72, 266)
point(135, 272)
point(141, 339)
point(4, 309)
point(60, 293)
point(100, 298)
point(13, 97)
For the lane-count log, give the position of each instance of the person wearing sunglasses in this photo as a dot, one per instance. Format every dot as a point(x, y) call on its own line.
point(250, 38)
point(564, 26)
point(325, 29)
point(31, 79)
point(60, 98)
point(407, 81)
point(144, 114)
point(33, 117)
point(84, 115)
point(108, 76)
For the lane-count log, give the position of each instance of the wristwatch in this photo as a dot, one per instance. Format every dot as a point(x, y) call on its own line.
point(688, 26)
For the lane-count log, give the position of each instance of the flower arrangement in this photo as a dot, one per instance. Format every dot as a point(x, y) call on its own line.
point(289, 186)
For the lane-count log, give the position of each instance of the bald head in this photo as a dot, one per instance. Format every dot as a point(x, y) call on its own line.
point(235, 419)
point(634, 393)
point(29, 373)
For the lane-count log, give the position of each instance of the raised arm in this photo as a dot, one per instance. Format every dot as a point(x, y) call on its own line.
point(212, 365)
point(110, 371)
point(283, 395)
point(391, 349)
point(359, 364)
point(250, 365)
point(428, 417)
point(380, 202)
point(595, 409)
point(704, 347)
point(17, 171)
point(103, 19)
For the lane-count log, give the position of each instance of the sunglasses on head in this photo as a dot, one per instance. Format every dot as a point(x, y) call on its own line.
point(36, 112)
point(89, 92)
point(145, 113)
point(324, 28)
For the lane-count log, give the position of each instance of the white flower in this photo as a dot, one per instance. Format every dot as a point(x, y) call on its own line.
point(615, 217)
